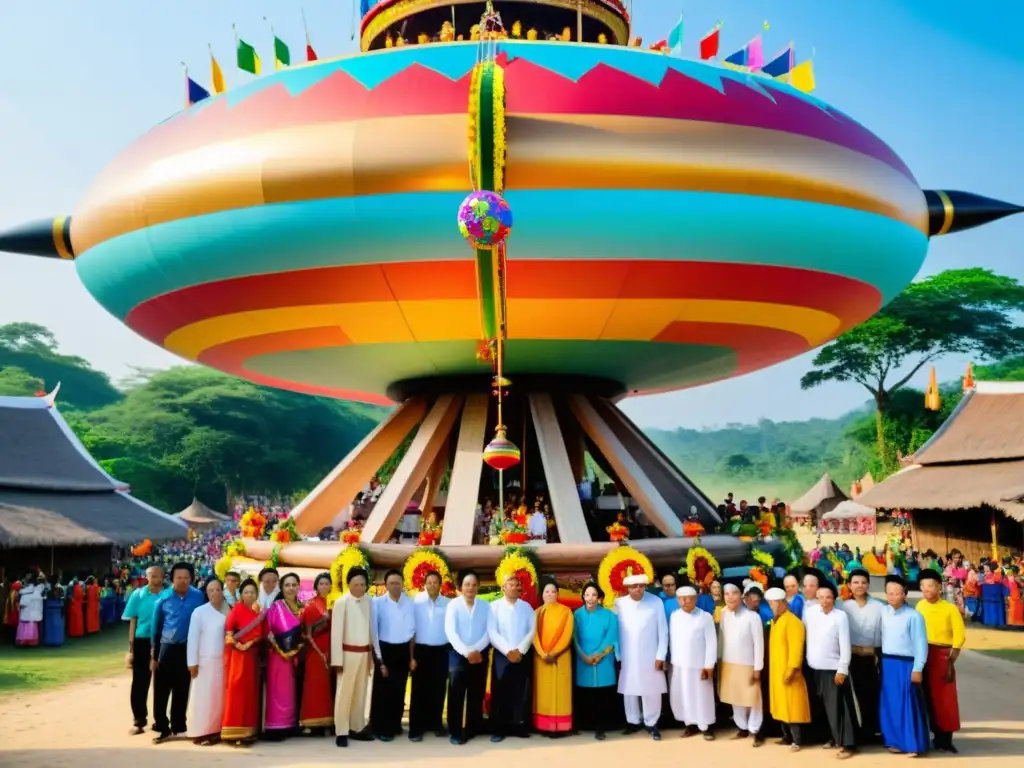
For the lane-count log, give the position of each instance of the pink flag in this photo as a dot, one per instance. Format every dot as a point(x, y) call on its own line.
point(755, 54)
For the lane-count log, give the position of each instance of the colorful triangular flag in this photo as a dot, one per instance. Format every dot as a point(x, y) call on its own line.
point(710, 42)
point(248, 59)
point(780, 64)
point(282, 55)
point(216, 75)
point(675, 37)
point(194, 92)
point(802, 76)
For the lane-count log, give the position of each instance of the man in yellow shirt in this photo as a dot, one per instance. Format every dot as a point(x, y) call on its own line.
point(946, 636)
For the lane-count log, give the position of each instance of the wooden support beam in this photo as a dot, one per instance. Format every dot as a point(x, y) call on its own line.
point(565, 498)
point(464, 486)
point(434, 477)
point(626, 468)
point(339, 488)
point(412, 470)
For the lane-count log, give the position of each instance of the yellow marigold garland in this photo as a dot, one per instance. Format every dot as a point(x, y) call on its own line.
point(351, 557)
point(693, 555)
point(500, 145)
point(474, 119)
point(422, 561)
point(232, 549)
point(621, 562)
point(515, 562)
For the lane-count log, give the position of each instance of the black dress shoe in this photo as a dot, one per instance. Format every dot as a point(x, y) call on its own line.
point(456, 742)
point(164, 736)
point(136, 730)
point(363, 735)
point(415, 737)
point(707, 735)
point(758, 740)
point(599, 735)
point(630, 729)
point(655, 733)
point(341, 741)
point(497, 739)
point(441, 733)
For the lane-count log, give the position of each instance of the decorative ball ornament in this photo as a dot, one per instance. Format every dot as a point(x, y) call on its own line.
point(501, 453)
point(485, 219)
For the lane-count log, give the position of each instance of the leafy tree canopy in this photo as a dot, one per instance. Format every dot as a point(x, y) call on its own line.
point(17, 382)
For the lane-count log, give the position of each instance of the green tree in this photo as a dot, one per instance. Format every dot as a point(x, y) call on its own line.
point(33, 349)
point(963, 311)
point(17, 382)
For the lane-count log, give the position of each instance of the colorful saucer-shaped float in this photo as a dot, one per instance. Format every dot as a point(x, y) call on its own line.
point(675, 223)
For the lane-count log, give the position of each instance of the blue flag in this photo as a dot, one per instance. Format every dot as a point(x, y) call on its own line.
point(782, 64)
point(675, 37)
point(194, 92)
point(739, 58)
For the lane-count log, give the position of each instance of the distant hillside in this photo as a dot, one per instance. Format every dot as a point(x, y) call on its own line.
point(767, 459)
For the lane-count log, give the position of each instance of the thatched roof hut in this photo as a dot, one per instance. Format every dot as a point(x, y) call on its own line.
point(820, 498)
point(54, 494)
point(973, 466)
point(198, 515)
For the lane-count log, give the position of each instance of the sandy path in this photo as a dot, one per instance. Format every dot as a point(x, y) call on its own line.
point(85, 725)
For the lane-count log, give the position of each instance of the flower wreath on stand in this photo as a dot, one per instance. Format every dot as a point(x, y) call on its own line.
point(252, 524)
point(763, 568)
point(232, 549)
point(521, 562)
point(422, 561)
point(620, 563)
point(352, 556)
point(701, 567)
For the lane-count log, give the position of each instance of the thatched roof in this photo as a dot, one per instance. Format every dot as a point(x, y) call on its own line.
point(26, 527)
point(38, 450)
point(198, 513)
point(952, 487)
point(987, 425)
point(116, 516)
point(822, 491)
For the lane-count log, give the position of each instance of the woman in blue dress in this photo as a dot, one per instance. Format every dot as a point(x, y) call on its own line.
point(994, 594)
point(53, 617)
point(597, 706)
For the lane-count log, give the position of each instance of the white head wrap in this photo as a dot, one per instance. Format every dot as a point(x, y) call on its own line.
point(775, 594)
point(730, 588)
point(748, 588)
point(636, 578)
point(687, 592)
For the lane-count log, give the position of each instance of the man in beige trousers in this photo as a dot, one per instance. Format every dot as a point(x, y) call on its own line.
point(351, 658)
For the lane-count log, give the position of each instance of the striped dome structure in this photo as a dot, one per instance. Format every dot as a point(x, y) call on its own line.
point(675, 223)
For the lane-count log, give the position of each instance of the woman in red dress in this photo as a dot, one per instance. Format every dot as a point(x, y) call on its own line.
point(76, 624)
point(245, 630)
point(92, 606)
point(317, 712)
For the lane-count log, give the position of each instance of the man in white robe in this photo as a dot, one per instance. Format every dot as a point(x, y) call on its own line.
point(742, 642)
point(643, 645)
point(694, 646)
point(510, 627)
point(204, 654)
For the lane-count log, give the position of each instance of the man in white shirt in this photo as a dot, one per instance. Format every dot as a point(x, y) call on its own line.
point(430, 660)
point(393, 638)
point(510, 628)
point(828, 656)
point(538, 526)
point(643, 646)
point(465, 626)
point(694, 648)
point(865, 616)
point(742, 642)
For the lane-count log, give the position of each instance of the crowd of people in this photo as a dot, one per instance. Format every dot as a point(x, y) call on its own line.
point(248, 660)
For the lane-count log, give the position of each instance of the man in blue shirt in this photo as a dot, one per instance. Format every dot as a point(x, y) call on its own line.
point(171, 679)
point(139, 615)
point(904, 653)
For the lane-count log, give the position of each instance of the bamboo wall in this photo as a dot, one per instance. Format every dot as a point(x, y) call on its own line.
point(968, 530)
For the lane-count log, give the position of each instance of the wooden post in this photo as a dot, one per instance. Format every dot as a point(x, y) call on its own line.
point(579, 21)
point(995, 537)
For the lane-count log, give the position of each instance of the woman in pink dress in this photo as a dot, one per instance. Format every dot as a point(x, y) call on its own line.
point(284, 622)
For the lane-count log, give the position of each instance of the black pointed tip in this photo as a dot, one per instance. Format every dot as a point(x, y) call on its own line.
point(48, 238)
point(954, 211)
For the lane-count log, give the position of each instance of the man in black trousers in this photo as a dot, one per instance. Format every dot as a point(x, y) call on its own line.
point(466, 629)
point(430, 660)
point(171, 678)
point(139, 614)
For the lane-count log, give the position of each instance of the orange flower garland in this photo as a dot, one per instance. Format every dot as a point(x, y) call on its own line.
point(252, 524)
point(423, 561)
point(617, 532)
point(285, 531)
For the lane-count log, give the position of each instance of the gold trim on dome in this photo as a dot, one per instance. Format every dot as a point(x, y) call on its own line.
point(403, 9)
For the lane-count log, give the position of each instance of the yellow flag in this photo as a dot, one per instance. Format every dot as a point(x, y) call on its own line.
point(217, 76)
point(932, 399)
point(802, 76)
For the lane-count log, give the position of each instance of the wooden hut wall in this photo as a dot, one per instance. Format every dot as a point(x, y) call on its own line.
point(968, 530)
point(72, 561)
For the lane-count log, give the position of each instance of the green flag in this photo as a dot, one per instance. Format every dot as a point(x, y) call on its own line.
point(282, 56)
point(248, 59)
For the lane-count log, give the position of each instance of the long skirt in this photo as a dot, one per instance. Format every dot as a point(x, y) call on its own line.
point(552, 694)
point(28, 633)
point(943, 704)
point(510, 694)
point(838, 703)
point(242, 694)
point(280, 712)
point(993, 607)
point(206, 699)
point(1015, 611)
point(317, 697)
point(902, 707)
point(598, 709)
point(53, 627)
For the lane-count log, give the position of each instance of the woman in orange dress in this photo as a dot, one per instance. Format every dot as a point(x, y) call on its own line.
point(92, 606)
point(245, 630)
point(1015, 610)
point(317, 711)
point(76, 623)
point(552, 666)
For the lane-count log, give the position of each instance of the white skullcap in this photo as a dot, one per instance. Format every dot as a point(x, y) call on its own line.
point(637, 578)
point(774, 594)
point(747, 583)
point(748, 588)
point(730, 588)
point(687, 592)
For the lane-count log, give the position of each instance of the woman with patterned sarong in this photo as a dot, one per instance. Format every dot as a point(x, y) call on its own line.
point(281, 701)
point(552, 666)
point(245, 630)
point(316, 714)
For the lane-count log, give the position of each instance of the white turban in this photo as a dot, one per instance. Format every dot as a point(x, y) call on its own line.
point(730, 588)
point(637, 578)
point(774, 594)
point(687, 592)
point(748, 588)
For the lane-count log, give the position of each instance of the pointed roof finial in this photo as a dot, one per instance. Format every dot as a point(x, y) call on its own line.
point(969, 378)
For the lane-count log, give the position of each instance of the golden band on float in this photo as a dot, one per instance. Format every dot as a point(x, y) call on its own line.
point(947, 210)
point(61, 240)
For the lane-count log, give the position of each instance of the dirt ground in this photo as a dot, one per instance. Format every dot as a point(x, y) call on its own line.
point(85, 725)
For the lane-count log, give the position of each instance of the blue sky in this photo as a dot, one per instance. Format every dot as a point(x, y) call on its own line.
point(940, 81)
